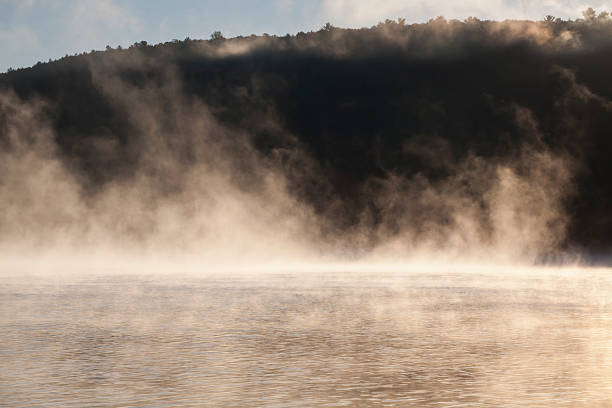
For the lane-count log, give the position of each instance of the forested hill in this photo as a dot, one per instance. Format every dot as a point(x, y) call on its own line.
point(392, 128)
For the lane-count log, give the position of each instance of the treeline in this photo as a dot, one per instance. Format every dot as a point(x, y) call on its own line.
point(558, 25)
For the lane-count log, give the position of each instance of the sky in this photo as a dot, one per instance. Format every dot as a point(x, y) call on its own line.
point(39, 30)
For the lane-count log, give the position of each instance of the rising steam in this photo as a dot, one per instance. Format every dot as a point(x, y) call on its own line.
point(182, 182)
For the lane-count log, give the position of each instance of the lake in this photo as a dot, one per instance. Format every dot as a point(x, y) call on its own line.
point(339, 339)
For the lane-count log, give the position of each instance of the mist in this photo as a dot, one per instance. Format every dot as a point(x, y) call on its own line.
point(455, 141)
point(413, 215)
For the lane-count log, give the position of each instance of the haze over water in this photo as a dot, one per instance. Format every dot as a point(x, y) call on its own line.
point(345, 217)
point(444, 338)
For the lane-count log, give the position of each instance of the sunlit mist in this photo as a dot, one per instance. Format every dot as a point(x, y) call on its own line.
point(410, 215)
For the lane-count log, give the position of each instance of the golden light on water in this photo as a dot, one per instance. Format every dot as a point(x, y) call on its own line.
point(412, 334)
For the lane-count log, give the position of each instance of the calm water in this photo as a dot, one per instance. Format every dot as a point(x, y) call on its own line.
point(328, 340)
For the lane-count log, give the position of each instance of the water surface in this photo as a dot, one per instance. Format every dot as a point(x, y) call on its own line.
point(307, 340)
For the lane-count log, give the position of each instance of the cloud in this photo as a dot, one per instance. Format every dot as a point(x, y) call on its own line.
point(14, 40)
point(284, 5)
point(20, 3)
point(368, 12)
point(100, 20)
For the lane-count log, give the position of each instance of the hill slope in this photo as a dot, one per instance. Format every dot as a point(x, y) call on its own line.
point(461, 136)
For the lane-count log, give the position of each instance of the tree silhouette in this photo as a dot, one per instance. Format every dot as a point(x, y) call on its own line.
point(217, 35)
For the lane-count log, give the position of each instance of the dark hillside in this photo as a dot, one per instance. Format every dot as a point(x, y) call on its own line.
point(350, 117)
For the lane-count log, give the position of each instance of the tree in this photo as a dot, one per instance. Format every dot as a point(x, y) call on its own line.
point(439, 20)
point(217, 35)
point(549, 19)
point(328, 27)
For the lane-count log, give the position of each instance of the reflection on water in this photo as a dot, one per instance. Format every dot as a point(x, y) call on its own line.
point(308, 340)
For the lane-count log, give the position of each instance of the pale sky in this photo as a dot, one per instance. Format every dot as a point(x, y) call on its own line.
point(36, 30)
